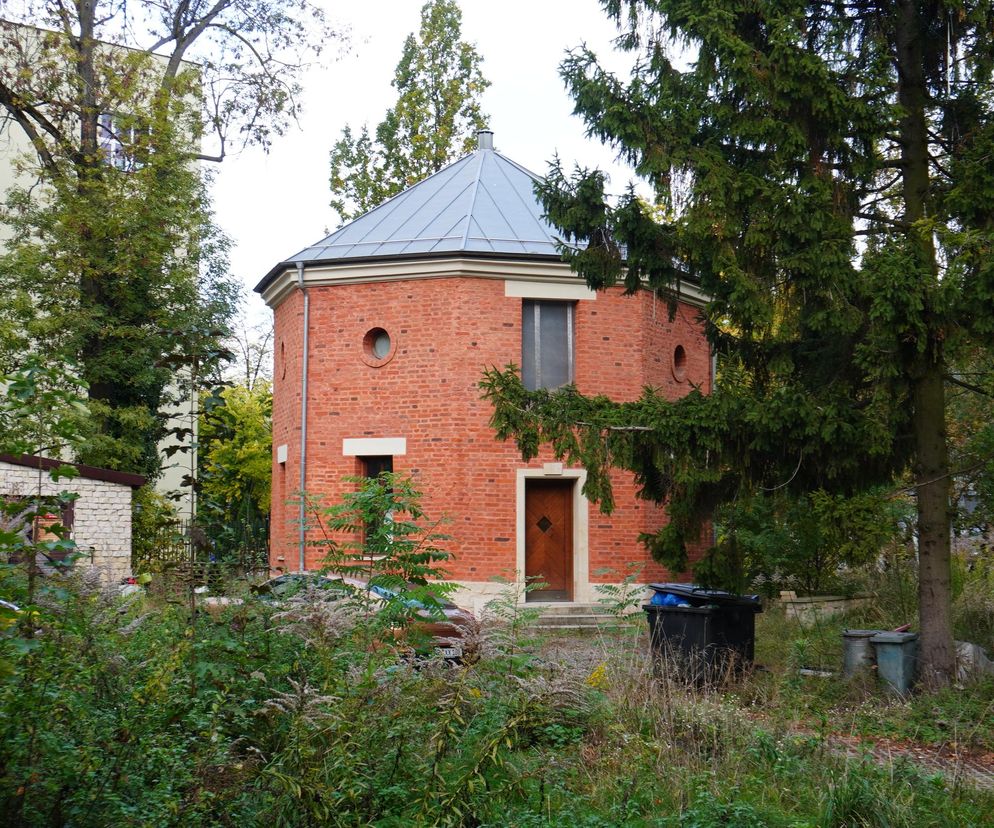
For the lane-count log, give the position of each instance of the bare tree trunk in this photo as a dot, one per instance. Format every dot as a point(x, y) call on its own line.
point(928, 389)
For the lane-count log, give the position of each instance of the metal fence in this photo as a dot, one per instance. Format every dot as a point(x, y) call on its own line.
point(245, 550)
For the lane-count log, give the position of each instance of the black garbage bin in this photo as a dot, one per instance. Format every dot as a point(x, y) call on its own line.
point(700, 632)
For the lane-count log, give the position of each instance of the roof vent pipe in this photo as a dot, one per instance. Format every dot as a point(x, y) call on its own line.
point(485, 139)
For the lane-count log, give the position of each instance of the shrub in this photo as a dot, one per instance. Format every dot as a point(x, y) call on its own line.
point(973, 608)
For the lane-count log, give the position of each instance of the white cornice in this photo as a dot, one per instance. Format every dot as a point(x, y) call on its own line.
point(550, 272)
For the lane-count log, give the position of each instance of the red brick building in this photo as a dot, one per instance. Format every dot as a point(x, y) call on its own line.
point(389, 323)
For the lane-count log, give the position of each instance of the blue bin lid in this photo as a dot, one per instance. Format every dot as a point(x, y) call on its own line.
point(698, 596)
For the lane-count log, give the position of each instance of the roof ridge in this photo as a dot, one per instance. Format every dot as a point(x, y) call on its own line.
point(514, 190)
point(523, 169)
point(392, 201)
point(472, 199)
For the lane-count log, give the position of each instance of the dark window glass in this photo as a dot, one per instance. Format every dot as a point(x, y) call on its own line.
point(546, 344)
point(375, 466)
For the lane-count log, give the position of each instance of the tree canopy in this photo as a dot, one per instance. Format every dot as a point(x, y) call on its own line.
point(113, 257)
point(239, 60)
point(838, 210)
point(437, 114)
point(111, 268)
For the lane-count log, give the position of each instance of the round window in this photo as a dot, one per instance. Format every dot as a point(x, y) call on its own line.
point(381, 345)
point(377, 347)
point(679, 363)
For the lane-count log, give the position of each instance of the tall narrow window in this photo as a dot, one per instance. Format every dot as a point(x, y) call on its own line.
point(374, 539)
point(546, 344)
point(375, 466)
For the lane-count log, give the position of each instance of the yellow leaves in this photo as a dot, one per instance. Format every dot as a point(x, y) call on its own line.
point(598, 678)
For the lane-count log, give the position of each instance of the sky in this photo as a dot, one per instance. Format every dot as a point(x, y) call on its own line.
point(273, 205)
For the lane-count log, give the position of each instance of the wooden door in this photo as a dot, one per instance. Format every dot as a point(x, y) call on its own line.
point(549, 538)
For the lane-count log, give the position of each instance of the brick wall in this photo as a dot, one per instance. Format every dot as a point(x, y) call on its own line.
point(445, 333)
point(102, 515)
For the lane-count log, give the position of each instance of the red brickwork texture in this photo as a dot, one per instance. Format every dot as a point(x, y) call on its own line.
point(445, 332)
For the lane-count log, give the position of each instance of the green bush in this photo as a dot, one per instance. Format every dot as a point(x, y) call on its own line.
point(127, 711)
point(973, 606)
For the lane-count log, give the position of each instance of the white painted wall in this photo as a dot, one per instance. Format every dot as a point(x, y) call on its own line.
point(102, 520)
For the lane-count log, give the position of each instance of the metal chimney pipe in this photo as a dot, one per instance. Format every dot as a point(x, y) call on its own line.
point(485, 139)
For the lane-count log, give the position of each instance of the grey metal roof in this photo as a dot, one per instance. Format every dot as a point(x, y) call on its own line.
point(484, 203)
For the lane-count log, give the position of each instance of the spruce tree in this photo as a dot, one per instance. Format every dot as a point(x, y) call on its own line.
point(434, 121)
point(837, 207)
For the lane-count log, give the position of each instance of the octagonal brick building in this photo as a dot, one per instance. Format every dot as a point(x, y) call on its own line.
point(382, 332)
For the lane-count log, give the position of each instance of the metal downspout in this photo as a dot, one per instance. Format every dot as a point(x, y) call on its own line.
point(302, 538)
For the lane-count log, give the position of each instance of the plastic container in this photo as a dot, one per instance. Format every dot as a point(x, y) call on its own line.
point(897, 660)
point(857, 651)
point(710, 634)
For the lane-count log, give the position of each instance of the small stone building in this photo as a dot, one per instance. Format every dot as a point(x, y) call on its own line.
point(99, 520)
point(382, 332)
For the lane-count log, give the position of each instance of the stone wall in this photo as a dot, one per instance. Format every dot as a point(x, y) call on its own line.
point(102, 515)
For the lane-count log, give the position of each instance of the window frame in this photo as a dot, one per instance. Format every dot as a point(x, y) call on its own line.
point(535, 324)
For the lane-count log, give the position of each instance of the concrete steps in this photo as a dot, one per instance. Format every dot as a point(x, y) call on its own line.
point(562, 616)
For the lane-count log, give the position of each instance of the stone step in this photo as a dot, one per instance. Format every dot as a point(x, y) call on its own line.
point(549, 621)
point(557, 608)
point(567, 616)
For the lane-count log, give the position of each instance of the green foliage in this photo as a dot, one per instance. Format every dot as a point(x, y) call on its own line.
point(114, 261)
point(973, 605)
point(236, 447)
point(42, 408)
point(40, 413)
point(235, 464)
point(380, 534)
point(971, 435)
point(108, 265)
point(151, 513)
point(799, 541)
point(120, 712)
point(622, 599)
point(434, 121)
point(123, 711)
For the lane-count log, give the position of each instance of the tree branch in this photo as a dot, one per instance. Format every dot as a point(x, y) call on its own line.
point(29, 120)
point(976, 389)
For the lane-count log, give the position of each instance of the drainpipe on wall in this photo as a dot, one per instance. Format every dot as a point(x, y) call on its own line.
point(302, 538)
point(714, 377)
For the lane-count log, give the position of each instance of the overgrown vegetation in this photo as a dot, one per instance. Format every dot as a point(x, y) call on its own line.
point(314, 710)
point(775, 541)
point(122, 711)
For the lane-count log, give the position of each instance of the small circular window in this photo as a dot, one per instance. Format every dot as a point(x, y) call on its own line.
point(679, 363)
point(377, 347)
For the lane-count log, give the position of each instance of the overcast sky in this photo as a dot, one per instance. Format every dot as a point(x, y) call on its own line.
point(274, 205)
